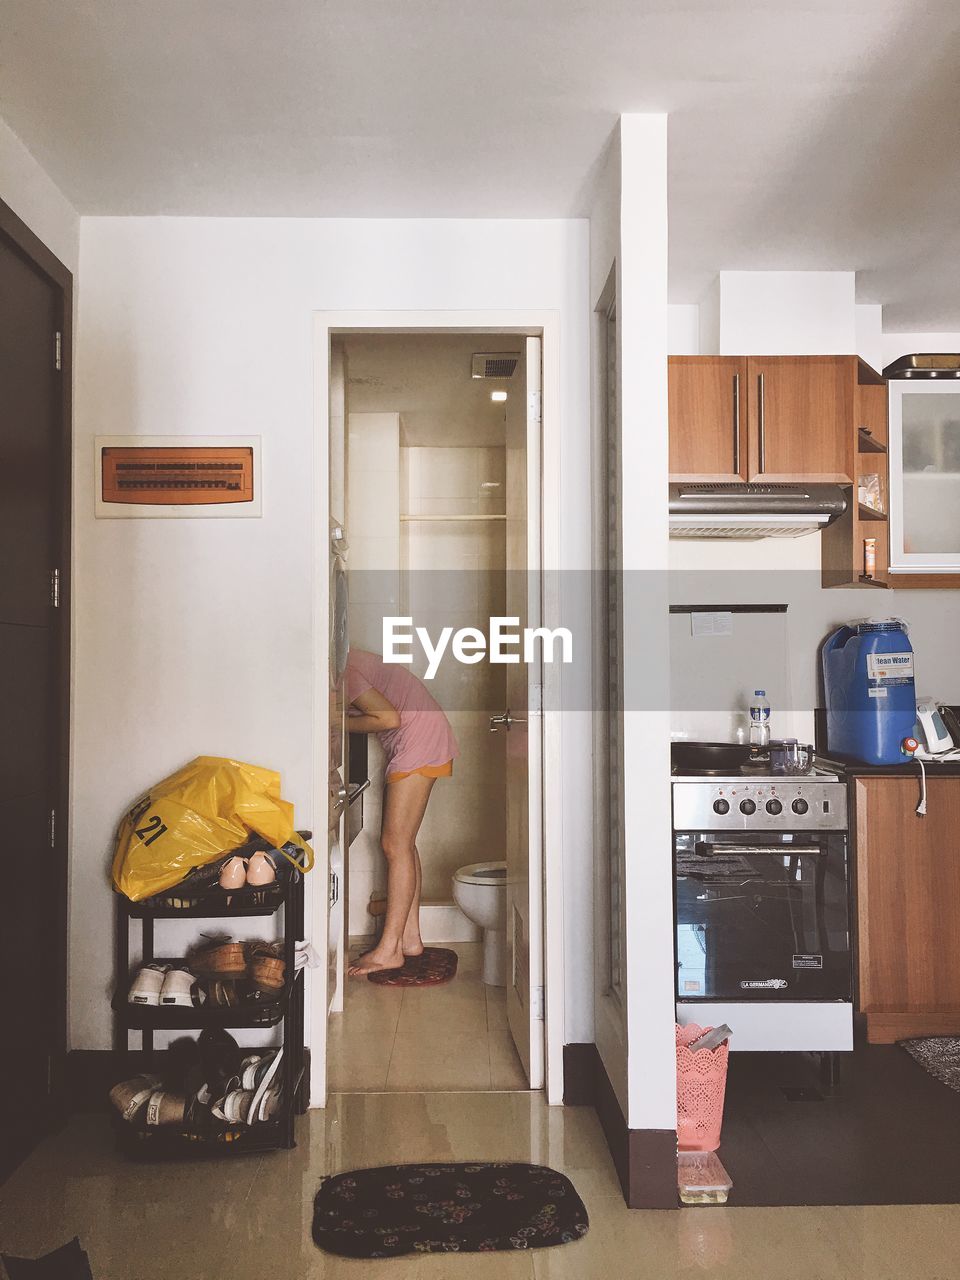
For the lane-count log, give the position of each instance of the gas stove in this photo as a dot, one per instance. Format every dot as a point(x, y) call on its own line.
point(751, 800)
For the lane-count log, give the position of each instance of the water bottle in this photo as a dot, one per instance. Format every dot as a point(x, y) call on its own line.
point(759, 720)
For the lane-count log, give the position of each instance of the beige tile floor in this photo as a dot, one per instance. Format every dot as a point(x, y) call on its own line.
point(249, 1219)
point(425, 1039)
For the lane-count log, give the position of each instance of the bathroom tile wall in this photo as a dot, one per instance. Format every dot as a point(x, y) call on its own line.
point(373, 532)
point(456, 579)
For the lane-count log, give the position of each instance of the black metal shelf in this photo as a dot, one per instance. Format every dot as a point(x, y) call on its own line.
point(209, 1139)
point(268, 1012)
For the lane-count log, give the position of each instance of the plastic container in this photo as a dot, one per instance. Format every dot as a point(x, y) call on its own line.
point(869, 691)
point(759, 719)
point(701, 1085)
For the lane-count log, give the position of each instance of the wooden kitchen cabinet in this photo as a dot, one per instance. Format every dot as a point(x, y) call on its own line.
point(907, 879)
point(766, 418)
point(708, 418)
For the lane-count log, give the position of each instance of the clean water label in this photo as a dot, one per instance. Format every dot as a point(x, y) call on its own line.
point(879, 692)
point(892, 668)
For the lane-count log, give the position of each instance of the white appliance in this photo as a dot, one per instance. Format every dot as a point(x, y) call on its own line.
point(937, 731)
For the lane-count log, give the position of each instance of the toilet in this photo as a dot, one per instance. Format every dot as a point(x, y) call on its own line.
point(480, 891)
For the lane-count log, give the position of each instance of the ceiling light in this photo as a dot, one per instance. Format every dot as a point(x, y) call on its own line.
point(498, 395)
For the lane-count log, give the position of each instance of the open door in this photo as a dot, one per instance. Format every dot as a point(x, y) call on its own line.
point(522, 725)
point(339, 633)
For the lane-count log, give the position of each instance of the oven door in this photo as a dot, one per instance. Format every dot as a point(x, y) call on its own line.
point(763, 917)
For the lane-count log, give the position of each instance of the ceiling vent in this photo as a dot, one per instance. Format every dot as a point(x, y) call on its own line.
point(494, 364)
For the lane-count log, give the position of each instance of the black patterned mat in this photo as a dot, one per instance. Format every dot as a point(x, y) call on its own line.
point(938, 1055)
point(446, 1208)
point(432, 968)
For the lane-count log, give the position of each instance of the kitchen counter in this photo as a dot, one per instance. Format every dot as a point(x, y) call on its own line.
point(853, 769)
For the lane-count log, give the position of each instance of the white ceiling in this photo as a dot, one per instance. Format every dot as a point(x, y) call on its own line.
point(425, 377)
point(804, 134)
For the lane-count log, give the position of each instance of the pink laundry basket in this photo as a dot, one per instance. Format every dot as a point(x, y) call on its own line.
point(701, 1083)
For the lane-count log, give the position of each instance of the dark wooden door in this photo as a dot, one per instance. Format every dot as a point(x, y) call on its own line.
point(708, 418)
point(801, 411)
point(33, 737)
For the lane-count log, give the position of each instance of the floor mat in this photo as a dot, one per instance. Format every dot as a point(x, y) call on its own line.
point(446, 1208)
point(939, 1055)
point(433, 967)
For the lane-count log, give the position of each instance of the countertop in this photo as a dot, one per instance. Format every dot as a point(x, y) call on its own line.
point(934, 768)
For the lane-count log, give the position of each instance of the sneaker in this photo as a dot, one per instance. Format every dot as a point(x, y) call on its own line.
point(131, 1096)
point(181, 990)
point(146, 986)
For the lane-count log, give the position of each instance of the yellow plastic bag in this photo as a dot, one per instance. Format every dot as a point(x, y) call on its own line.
point(205, 809)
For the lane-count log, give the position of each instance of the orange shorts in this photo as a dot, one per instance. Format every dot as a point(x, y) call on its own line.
point(425, 771)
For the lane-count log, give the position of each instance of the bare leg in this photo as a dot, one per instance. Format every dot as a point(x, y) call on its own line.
point(412, 942)
point(404, 804)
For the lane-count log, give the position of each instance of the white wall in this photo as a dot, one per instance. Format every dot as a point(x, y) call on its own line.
point(36, 198)
point(629, 226)
point(197, 635)
point(766, 313)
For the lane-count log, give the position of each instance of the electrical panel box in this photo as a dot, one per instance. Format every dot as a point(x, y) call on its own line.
point(170, 476)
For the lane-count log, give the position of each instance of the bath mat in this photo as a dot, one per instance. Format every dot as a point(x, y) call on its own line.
point(446, 1208)
point(939, 1056)
point(434, 966)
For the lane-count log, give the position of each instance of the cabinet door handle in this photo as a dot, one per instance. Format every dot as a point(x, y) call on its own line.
point(736, 423)
point(761, 425)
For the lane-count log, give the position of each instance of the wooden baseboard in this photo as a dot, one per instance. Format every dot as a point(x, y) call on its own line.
point(887, 1026)
point(645, 1159)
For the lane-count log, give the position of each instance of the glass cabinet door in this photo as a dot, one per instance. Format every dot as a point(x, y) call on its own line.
point(924, 476)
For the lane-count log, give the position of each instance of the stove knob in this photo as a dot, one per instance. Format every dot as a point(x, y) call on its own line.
point(799, 805)
point(721, 806)
point(774, 806)
point(747, 806)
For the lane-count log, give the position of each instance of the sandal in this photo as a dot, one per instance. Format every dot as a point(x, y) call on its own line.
point(166, 1108)
point(261, 870)
point(267, 1095)
point(233, 874)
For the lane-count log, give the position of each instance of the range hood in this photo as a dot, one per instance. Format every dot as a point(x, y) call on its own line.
point(750, 511)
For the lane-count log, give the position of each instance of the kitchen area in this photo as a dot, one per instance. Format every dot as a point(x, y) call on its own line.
point(815, 759)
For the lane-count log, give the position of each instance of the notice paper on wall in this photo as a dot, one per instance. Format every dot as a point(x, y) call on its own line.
point(711, 624)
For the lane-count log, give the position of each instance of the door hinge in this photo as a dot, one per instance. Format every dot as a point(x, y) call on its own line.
point(55, 588)
point(536, 1003)
point(53, 828)
point(58, 356)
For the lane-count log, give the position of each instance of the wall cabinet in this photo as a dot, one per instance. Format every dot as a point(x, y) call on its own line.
point(908, 907)
point(925, 478)
point(775, 418)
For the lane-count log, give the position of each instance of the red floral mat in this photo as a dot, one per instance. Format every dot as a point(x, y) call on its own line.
point(431, 969)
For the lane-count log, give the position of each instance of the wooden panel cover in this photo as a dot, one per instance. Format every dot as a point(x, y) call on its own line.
point(807, 407)
point(704, 417)
point(908, 906)
point(177, 476)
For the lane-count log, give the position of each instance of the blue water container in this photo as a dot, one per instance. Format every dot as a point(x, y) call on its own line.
point(869, 691)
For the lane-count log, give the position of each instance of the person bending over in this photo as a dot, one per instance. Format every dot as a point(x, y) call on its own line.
point(388, 700)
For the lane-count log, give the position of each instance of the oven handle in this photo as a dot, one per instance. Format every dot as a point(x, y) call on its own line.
point(704, 848)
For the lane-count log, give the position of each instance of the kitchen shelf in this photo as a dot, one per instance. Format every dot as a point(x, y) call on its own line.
point(870, 513)
point(447, 519)
point(867, 442)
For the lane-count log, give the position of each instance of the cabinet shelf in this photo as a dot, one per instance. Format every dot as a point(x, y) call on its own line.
point(868, 443)
point(864, 581)
point(869, 513)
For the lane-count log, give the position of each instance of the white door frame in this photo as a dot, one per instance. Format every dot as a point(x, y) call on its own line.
point(328, 324)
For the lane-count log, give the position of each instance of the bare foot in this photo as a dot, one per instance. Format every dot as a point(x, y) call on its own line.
point(376, 961)
point(413, 946)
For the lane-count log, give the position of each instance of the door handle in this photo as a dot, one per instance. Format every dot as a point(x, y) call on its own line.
point(761, 425)
point(504, 721)
point(736, 423)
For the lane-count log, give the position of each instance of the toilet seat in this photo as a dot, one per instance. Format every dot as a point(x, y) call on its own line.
point(486, 873)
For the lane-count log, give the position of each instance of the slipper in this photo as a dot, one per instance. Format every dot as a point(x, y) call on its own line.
point(166, 1108)
point(145, 988)
point(131, 1096)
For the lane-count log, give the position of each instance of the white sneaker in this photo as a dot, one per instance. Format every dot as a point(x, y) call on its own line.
point(146, 986)
point(180, 989)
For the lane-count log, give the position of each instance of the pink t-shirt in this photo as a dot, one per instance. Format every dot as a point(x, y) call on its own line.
point(424, 736)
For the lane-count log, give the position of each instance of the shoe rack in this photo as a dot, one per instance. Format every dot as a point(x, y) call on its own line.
point(286, 1009)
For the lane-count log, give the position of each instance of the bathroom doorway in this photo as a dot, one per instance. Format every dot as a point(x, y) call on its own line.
point(435, 465)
